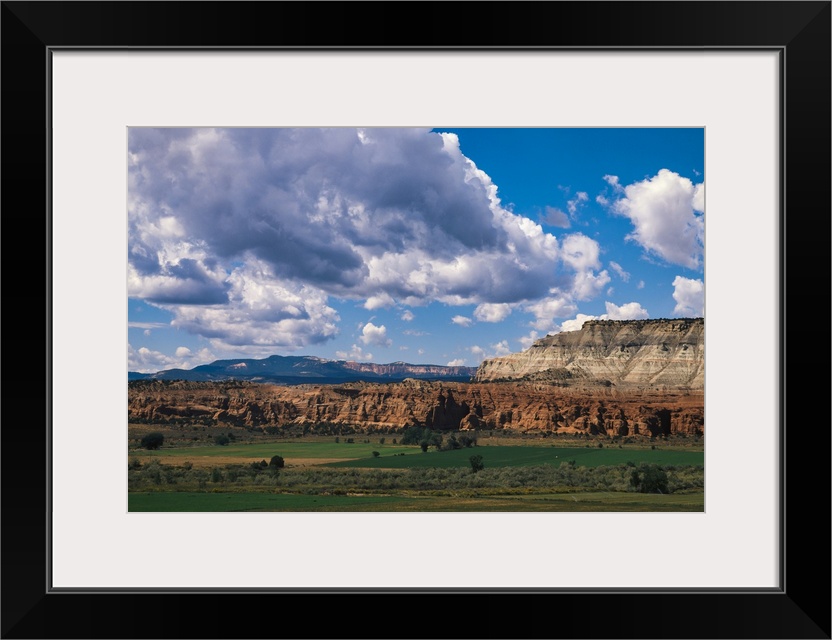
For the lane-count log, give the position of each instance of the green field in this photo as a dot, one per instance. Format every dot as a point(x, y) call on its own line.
point(526, 456)
point(323, 475)
point(287, 449)
point(359, 454)
point(170, 501)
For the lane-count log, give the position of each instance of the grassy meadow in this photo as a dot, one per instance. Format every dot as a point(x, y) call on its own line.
point(378, 473)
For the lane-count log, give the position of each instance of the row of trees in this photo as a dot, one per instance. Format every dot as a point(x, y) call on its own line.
point(426, 438)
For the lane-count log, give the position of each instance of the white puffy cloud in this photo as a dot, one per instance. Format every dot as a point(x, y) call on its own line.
point(261, 313)
point(407, 316)
point(580, 252)
point(144, 360)
point(355, 213)
point(492, 312)
point(462, 321)
point(619, 270)
point(689, 296)
point(496, 350)
point(628, 311)
point(588, 285)
point(576, 323)
point(613, 182)
point(457, 362)
point(379, 302)
point(698, 201)
point(371, 334)
point(355, 353)
point(640, 284)
point(573, 204)
point(666, 211)
point(501, 348)
point(379, 216)
point(529, 340)
point(546, 310)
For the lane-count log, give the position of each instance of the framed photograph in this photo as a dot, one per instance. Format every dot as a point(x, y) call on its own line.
point(100, 100)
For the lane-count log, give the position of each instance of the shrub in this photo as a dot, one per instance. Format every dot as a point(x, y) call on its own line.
point(424, 444)
point(376, 454)
point(277, 462)
point(649, 478)
point(412, 435)
point(221, 440)
point(476, 463)
point(467, 440)
point(451, 443)
point(153, 440)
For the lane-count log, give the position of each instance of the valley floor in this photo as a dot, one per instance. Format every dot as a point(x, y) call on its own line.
point(373, 473)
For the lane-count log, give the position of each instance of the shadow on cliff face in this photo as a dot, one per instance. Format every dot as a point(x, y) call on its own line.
point(446, 413)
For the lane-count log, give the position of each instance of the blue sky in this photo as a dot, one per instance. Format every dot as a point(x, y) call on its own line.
point(443, 246)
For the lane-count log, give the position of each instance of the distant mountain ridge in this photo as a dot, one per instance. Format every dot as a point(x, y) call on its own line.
point(307, 369)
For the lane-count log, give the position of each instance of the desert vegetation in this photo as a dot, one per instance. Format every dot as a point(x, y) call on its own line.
point(419, 469)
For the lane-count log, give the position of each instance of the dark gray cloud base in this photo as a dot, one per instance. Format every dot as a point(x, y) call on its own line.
point(392, 215)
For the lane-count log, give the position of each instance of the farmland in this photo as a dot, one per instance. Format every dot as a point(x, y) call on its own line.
point(318, 473)
point(262, 501)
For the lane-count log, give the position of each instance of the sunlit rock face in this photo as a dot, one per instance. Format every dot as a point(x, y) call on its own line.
point(659, 354)
point(531, 407)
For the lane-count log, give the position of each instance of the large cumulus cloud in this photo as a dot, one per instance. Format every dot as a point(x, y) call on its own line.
point(244, 233)
point(667, 212)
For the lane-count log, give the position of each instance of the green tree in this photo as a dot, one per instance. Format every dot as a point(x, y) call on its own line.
point(649, 478)
point(476, 463)
point(467, 440)
point(277, 462)
point(412, 435)
point(153, 440)
point(376, 454)
point(221, 440)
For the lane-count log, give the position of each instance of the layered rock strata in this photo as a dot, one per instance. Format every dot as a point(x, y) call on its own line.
point(661, 354)
point(523, 406)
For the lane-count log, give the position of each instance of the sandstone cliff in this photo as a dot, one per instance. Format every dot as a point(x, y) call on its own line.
point(668, 354)
point(523, 406)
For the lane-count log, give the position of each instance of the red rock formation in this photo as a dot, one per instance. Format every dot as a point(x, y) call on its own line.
point(522, 406)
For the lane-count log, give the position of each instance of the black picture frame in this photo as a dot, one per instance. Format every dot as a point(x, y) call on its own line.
point(800, 608)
